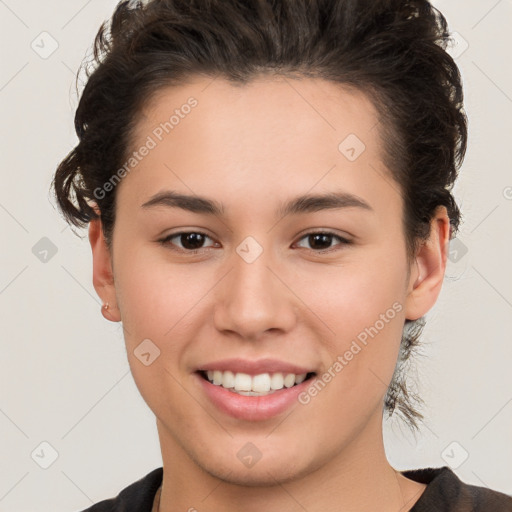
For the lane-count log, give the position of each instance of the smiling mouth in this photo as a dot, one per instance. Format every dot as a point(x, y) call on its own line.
point(254, 385)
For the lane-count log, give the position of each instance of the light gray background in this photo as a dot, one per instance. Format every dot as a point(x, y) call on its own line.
point(64, 375)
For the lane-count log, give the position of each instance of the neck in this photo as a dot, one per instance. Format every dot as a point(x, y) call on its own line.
point(359, 478)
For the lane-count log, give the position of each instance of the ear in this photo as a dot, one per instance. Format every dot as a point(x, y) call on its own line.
point(103, 276)
point(428, 268)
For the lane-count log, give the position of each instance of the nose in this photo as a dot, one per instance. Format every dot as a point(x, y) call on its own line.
point(254, 299)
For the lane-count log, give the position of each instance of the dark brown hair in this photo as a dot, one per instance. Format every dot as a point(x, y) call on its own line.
point(392, 50)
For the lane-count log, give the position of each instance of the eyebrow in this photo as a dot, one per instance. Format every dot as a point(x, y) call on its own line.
point(299, 205)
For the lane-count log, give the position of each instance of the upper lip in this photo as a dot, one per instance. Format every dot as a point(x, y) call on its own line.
point(255, 367)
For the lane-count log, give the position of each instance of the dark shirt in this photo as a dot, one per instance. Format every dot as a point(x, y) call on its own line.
point(445, 492)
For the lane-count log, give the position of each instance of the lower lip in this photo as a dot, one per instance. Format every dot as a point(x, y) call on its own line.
point(252, 408)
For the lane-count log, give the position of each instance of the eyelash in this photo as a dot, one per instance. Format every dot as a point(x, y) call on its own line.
point(166, 241)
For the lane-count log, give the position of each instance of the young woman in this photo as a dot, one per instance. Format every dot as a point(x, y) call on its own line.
point(267, 188)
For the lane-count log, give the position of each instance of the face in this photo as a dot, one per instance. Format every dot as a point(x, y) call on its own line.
point(241, 289)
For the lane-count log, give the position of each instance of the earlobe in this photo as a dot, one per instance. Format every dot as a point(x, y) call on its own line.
point(427, 277)
point(103, 276)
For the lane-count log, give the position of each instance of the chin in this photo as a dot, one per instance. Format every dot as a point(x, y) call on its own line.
point(265, 476)
point(266, 472)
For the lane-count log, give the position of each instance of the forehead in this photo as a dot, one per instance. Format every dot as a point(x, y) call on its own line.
point(265, 102)
point(272, 134)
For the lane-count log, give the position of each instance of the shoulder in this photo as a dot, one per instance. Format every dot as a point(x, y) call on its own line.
point(445, 492)
point(137, 497)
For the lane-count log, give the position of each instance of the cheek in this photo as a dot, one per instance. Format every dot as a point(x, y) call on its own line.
point(353, 297)
point(363, 306)
point(156, 308)
point(157, 298)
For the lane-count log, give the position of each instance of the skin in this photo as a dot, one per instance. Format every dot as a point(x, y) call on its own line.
point(250, 148)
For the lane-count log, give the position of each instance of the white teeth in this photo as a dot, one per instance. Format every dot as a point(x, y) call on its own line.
point(243, 382)
point(300, 378)
point(228, 379)
point(257, 385)
point(261, 383)
point(277, 381)
point(289, 380)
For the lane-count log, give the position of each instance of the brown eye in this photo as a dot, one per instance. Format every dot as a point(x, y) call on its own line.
point(321, 241)
point(187, 241)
